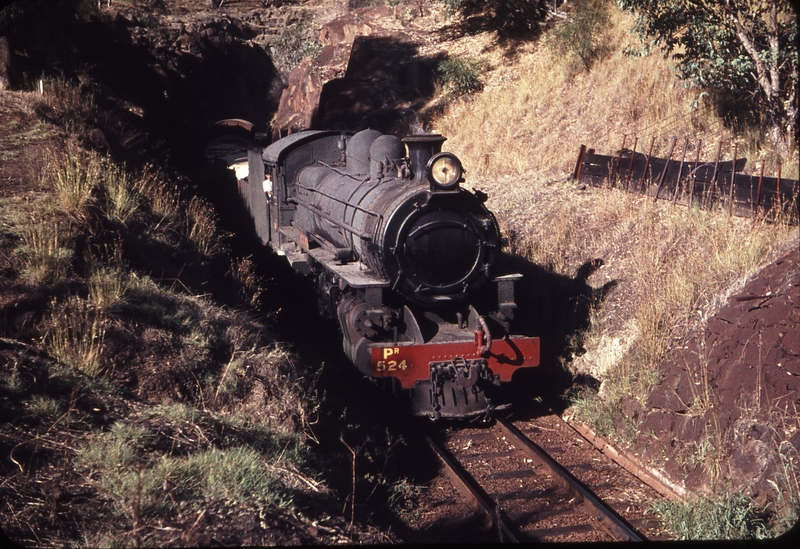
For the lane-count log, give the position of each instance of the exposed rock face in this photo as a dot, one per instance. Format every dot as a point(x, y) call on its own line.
point(300, 99)
point(370, 71)
point(215, 72)
point(722, 407)
point(165, 75)
point(368, 74)
point(343, 31)
point(5, 61)
point(303, 89)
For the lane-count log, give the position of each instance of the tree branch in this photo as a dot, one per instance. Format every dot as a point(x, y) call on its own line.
point(774, 46)
point(752, 51)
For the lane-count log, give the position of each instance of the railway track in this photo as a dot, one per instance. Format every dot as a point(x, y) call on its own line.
point(526, 495)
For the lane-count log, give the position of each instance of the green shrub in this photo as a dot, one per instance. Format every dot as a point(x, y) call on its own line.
point(237, 474)
point(46, 407)
point(728, 516)
point(578, 42)
point(462, 76)
point(144, 485)
point(294, 44)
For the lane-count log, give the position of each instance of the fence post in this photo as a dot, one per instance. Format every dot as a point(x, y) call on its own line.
point(615, 171)
point(710, 194)
point(778, 198)
point(680, 171)
point(646, 164)
point(758, 193)
point(694, 171)
point(664, 171)
point(733, 178)
point(576, 174)
point(630, 165)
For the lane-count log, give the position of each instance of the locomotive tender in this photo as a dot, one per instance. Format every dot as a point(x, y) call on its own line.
point(402, 256)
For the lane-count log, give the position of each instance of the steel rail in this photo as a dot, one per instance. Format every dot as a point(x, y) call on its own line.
point(605, 516)
point(472, 491)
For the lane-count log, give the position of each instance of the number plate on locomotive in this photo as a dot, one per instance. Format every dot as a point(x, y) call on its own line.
point(395, 362)
point(411, 363)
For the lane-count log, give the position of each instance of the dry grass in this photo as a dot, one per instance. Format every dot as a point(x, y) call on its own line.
point(75, 336)
point(70, 104)
point(249, 283)
point(674, 266)
point(172, 214)
point(74, 173)
point(162, 200)
point(235, 428)
point(201, 227)
point(122, 196)
point(109, 281)
point(101, 300)
point(47, 255)
point(729, 516)
point(235, 432)
point(533, 115)
point(112, 306)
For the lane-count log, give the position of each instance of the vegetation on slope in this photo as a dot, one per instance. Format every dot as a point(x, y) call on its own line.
point(130, 384)
point(665, 269)
point(556, 104)
point(143, 403)
point(741, 54)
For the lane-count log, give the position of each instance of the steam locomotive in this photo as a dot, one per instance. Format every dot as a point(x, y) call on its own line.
point(403, 256)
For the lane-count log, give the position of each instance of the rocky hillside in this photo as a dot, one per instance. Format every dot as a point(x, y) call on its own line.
point(148, 398)
point(140, 84)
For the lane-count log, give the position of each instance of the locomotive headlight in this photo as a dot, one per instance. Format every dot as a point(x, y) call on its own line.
point(444, 171)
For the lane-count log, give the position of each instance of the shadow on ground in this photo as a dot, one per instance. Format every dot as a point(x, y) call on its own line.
point(513, 22)
point(147, 80)
point(556, 308)
point(386, 87)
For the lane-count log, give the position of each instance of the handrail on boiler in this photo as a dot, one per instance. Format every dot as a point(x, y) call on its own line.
point(336, 199)
point(341, 225)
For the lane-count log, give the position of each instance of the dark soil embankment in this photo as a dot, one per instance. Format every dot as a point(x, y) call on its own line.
point(729, 402)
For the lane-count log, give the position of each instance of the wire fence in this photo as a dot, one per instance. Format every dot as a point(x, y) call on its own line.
point(685, 178)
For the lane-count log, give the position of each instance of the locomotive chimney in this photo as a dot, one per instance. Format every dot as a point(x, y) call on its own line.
point(421, 147)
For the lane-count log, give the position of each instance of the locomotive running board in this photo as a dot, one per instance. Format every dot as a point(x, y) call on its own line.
point(411, 363)
point(353, 274)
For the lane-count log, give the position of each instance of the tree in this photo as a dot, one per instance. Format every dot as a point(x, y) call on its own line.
point(742, 50)
point(512, 19)
point(581, 35)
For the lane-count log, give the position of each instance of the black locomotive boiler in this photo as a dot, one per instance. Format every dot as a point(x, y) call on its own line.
point(403, 256)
